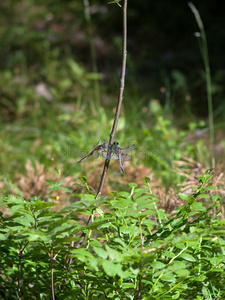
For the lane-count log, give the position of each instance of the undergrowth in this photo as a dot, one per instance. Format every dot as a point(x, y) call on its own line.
point(132, 249)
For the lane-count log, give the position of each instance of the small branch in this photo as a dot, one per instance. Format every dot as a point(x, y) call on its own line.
point(177, 255)
point(52, 274)
point(140, 265)
point(20, 253)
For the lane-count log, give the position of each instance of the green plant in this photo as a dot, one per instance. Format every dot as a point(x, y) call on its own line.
point(133, 249)
point(205, 56)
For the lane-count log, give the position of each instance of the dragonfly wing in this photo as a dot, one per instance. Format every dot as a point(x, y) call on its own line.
point(96, 149)
point(114, 156)
point(104, 151)
point(126, 157)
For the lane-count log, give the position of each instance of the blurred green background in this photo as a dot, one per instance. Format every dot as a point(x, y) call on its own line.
point(59, 81)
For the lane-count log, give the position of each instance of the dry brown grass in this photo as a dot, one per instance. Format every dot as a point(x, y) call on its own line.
point(33, 182)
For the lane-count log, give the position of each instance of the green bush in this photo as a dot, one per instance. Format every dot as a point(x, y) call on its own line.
point(131, 250)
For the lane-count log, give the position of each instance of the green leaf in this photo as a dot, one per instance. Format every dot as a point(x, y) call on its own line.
point(100, 252)
point(124, 194)
point(215, 261)
point(144, 200)
point(16, 208)
point(168, 276)
point(216, 198)
point(187, 257)
point(49, 182)
point(36, 235)
point(82, 252)
point(199, 278)
point(84, 179)
point(133, 230)
point(122, 204)
point(133, 185)
point(209, 188)
point(203, 196)
point(183, 196)
point(176, 221)
point(113, 254)
point(65, 189)
point(147, 180)
point(197, 206)
point(190, 200)
point(182, 272)
point(157, 265)
point(114, 1)
point(39, 204)
point(176, 296)
point(110, 268)
point(14, 200)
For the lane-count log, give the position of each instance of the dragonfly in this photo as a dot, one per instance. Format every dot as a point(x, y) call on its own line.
point(114, 152)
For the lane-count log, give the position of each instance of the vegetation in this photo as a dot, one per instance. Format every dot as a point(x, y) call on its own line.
point(157, 231)
point(133, 250)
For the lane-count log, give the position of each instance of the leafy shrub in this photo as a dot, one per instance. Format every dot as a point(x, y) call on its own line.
point(131, 250)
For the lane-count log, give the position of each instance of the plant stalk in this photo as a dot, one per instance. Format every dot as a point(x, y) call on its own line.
point(120, 96)
point(205, 56)
point(118, 109)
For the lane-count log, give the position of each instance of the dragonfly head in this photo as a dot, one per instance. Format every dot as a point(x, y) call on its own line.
point(115, 143)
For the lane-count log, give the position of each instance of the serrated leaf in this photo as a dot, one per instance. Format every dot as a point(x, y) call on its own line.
point(36, 235)
point(100, 252)
point(144, 200)
point(122, 204)
point(49, 182)
point(121, 242)
point(113, 254)
point(38, 205)
point(124, 194)
point(110, 268)
point(82, 251)
point(16, 208)
point(12, 199)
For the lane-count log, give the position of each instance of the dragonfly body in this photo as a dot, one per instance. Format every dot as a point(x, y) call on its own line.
point(110, 152)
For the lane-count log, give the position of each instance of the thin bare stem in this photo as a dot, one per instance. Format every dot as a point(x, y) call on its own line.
point(118, 109)
point(205, 55)
point(120, 96)
point(20, 253)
